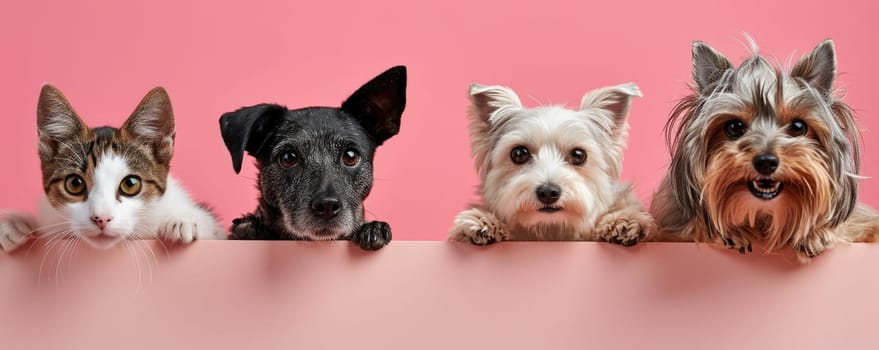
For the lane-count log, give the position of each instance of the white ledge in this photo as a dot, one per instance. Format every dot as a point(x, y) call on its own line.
point(419, 295)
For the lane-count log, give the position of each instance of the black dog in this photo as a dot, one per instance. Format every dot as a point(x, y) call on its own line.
point(315, 164)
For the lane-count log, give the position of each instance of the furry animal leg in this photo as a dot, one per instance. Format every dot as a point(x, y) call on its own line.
point(478, 227)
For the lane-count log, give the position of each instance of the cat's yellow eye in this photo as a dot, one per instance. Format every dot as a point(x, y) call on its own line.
point(74, 185)
point(130, 186)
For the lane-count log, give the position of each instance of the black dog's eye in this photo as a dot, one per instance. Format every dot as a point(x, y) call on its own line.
point(797, 128)
point(735, 128)
point(288, 159)
point(577, 157)
point(350, 157)
point(520, 155)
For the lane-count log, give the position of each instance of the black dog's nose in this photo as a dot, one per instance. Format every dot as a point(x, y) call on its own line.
point(326, 207)
point(765, 163)
point(548, 193)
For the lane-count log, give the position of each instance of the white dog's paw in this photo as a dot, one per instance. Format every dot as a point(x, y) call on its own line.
point(625, 229)
point(477, 227)
point(186, 230)
point(15, 229)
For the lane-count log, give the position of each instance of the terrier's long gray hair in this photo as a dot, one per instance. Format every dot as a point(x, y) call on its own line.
point(796, 116)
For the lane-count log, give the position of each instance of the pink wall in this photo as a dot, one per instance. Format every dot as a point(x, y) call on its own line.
point(215, 56)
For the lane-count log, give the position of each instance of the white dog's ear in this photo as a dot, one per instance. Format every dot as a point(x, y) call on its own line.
point(613, 99)
point(485, 100)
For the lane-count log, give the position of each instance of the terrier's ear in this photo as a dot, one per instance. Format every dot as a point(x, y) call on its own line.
point(818, 68)
point(486, 100)
point(379, 104)
point(614, 99)
point(152, 122)
point(57, 122)
point(708, 66)
point(248, 129)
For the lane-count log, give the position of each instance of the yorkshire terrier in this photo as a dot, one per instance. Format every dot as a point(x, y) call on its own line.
point(551, 173)
point(765, 155)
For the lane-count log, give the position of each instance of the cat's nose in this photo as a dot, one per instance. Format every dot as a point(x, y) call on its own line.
point(101, 221)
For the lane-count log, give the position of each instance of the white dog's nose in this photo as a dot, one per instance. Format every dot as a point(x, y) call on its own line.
point(549, 193)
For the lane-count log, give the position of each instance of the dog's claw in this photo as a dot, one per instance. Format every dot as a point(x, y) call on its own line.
point(740, 245)
point(373, 235)
point(477, 227)
point(625, 230)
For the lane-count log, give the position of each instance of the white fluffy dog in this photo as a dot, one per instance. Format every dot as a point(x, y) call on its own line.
point(551, 173)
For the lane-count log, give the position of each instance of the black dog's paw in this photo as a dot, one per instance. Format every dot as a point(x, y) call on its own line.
point(372, 235)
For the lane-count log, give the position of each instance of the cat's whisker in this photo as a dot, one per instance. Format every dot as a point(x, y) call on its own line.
point(146, 229)
point(150, 263)
point(45, 234)
point(60, 237)
point(55, 238)
point(64, 250)
point(127, 244)
point(155, 261)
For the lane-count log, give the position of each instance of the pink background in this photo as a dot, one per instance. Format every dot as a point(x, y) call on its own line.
point(215, 56)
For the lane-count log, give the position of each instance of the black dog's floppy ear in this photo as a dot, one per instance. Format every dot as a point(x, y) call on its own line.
point(248, 128)
point(379, 103)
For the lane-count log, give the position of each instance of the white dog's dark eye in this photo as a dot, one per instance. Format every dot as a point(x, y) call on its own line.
point(288, 159)
point(735, 128)
point(350, 157)
point(578, 157)
point(797, 128)
point(520, 155)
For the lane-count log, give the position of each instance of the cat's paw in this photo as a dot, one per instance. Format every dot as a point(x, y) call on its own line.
point(477, 227)
point(625, 230)
point(372, 235)
point(186, 230)
point(15, 229)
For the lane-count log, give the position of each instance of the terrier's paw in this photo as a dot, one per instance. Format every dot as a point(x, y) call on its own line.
point(737, 243)
point(477, 227)
point(186, 230)
point(625, 231)
point(812, 247)
point(15, 230)
point(372, 235)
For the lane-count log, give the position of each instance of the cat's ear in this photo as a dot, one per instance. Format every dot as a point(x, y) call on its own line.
point(709, 65)
point(57, 122)
point(379, 104)
point(818, 68)
point(248, 129)
point(152, 122)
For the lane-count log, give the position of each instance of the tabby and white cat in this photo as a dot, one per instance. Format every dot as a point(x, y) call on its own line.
point(105, 185)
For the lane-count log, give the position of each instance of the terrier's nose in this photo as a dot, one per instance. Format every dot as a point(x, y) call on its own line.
point(549, 193)
point(102, 221)
point(765, 163)
point(325, 207)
